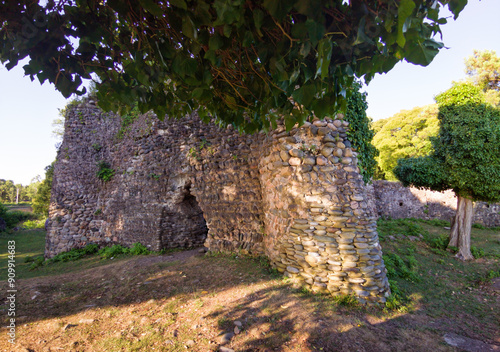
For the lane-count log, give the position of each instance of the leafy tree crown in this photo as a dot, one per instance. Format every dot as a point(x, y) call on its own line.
point(466, 155)
point(243, 62)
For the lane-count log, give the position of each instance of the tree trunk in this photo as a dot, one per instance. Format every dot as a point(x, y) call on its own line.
point(460, 231)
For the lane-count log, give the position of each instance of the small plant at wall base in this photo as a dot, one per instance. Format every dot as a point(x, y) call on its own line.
point(154, 176)
point(105, 173)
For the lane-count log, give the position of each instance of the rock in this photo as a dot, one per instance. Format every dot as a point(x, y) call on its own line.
point(309, 160)
point(226, 338)
point(296, 152)
point(225, 349)
point(238, 323)
point(236, 330)
point(294, 161)
point(326, 152)
point(190, 343)
point(321, 160)
point(86, 321)
point(69, 326)
point(468, 344)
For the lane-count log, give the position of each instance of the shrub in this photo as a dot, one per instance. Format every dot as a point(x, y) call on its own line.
point(42, 199)
point(37, 262)
point(477, 252)
point(397, 267)
point(14, 217)
point(105, 173)
point(440, 242)
point(34, 224)
point(113, 251)
point(138, 249)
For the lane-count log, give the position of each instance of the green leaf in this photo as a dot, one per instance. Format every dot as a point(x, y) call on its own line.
point(258, 19)
point(247, 39)
point(422, 53)
point(304, 95)
point(178, 3)
point(188, 28)
point(151, 7)
point(305, 49)
point(198, 93)
point(289, 122)
point(278, 8)
point(215, 42)
point(325, 48)
point(211, 56)
point(405, 10)
point(361, 37)
point(456, 6)
point(316, 31)
point(231, 102)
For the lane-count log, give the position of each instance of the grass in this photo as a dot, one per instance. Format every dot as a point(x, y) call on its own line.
point(166, 302)
point(425, 275)
point(29, 246)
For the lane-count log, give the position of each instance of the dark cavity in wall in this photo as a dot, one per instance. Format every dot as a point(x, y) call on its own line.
point(183, 225)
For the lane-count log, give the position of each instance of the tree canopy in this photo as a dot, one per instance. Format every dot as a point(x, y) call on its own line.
point(41, 202)
point(465, 156)
point(483, 68)
point(467, 149)
point(242, 62)
point(405, 135)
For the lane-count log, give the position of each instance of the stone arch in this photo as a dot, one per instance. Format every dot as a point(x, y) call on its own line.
point(182, 222)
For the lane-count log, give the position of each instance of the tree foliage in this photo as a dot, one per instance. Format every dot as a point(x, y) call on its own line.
point(360, 134)
point(241, 62)
point(484, 69)
point(466, 157)
point(466, 150)
point(9, 191)
point(405, 135)
point(42, 200)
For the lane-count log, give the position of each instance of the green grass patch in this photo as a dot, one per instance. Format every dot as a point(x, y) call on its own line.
point(425, 274)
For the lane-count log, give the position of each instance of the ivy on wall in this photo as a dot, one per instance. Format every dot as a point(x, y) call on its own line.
point(360, 134)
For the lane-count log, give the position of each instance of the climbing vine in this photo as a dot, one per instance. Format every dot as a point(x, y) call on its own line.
point(360, 134)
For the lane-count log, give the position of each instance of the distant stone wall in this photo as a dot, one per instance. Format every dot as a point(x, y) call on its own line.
point(296, 197)
point(395, 201)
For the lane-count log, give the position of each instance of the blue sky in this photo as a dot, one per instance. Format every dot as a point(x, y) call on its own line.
point(27, 109)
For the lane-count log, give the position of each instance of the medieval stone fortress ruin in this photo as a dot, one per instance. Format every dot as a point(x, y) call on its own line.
point(296, 197)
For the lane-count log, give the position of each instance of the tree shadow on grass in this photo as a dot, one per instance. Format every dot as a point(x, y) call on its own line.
point(186, 297)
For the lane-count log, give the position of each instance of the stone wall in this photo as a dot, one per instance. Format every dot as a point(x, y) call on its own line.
point(296, 197)
point(395, 201)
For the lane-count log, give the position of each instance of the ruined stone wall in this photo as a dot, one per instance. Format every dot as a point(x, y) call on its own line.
point(395, 201)
point(296, 197)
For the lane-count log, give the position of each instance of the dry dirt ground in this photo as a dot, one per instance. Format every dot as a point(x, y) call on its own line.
point(190, 302)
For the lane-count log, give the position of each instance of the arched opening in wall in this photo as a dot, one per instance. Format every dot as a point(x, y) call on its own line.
point(197, 225)
point(182, 224)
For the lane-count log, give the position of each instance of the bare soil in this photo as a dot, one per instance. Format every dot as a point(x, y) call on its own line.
point(188, 301)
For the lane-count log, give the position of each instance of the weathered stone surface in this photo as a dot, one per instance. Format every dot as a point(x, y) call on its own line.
point(182, 183)
point(395, 201)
